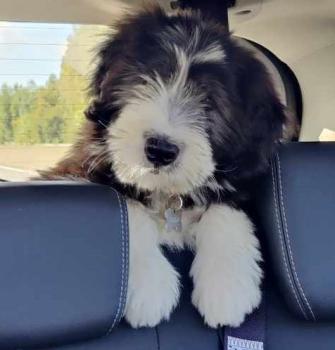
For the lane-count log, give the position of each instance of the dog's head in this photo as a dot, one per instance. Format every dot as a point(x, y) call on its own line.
point(180, 105)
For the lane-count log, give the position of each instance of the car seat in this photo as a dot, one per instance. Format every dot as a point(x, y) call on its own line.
point(63, 264)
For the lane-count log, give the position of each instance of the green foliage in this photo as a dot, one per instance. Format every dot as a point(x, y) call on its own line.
point(44, 114)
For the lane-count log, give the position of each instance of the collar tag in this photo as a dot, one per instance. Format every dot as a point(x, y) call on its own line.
point(172, 213)
point(172, 220)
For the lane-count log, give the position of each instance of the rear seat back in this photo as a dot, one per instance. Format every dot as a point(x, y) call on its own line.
point(296, 207)
point(63, 263)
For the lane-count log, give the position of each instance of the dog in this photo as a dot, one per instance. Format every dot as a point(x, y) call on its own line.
point(181, 119)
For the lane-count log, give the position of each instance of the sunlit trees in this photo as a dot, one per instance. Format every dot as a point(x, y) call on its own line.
point(51, 113)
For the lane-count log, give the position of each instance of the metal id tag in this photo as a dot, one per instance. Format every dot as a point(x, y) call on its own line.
point(172, 214)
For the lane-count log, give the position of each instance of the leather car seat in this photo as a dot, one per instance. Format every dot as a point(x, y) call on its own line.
point(63, 264)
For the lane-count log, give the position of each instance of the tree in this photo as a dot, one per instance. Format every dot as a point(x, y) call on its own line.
point(6, 118)
point(51, 113)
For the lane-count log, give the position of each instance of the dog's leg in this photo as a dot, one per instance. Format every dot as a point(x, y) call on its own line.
point(226, 270)
point(153, 288)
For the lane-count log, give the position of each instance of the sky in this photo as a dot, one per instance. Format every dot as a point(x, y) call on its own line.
point(31, 51)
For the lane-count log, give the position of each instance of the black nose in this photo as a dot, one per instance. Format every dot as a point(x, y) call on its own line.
point(160, 152)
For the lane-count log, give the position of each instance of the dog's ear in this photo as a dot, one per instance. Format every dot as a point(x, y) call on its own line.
point(260, 115)
point(101, 112)
point(115, 55)
point(126, 37)
point(104, 78)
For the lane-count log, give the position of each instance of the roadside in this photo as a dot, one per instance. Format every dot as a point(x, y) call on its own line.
point(19, 163)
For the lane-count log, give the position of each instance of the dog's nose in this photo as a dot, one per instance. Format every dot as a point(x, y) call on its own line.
point(160, 151)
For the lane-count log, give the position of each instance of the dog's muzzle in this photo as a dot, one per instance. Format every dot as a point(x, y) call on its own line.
point(160, 152)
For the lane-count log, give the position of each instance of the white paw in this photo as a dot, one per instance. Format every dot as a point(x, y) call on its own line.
point(226, 271)
point(153, 285)
point(224, 305)
point(153, 293)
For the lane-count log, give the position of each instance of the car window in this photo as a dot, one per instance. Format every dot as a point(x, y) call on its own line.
point(44, 71)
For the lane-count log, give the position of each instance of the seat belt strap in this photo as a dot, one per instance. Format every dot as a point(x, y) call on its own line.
point(250, 335)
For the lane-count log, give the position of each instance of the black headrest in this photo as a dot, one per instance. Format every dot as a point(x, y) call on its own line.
point(285, 83)
point(63, 263)
point(296, 207)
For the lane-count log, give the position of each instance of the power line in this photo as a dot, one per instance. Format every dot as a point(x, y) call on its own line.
point(61, 27)
point(43, 104)
point(43, 59)
point(39, 74)
point(46, 44)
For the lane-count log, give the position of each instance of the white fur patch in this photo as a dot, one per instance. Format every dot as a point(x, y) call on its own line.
point(226, 270)
point(213, 53)
point(153, 286)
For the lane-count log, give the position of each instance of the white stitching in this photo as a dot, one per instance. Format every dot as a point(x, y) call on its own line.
point(126, 267)
point(125, 253)
point(122, 265)
point(289, 243)
point(282, 242)
point(116, 318)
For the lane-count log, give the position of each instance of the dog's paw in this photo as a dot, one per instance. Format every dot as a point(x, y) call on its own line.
point(226, 302)
point(153, 284)
point(226, 271)
point(152, 295)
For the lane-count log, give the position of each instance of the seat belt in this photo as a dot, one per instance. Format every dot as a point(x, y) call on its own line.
point(250, 335)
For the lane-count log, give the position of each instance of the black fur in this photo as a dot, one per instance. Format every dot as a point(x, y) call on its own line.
point(245, 117)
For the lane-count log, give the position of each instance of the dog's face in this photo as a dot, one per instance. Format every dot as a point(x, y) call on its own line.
point(180, 106)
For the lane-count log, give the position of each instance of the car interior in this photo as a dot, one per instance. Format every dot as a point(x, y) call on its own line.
point(64, 246)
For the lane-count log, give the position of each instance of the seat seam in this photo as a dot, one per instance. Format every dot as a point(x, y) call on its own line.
point(289, 242)
point(126, 257)
point(158, 338)
point(125, 265)
point(121, 297)
point(280, 234)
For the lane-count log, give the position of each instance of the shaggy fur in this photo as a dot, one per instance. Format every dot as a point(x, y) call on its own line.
point(183, 78)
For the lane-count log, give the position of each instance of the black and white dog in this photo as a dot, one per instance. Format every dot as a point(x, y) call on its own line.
point(181, 119)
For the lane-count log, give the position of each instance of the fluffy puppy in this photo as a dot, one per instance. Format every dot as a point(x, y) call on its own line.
point(181, 119)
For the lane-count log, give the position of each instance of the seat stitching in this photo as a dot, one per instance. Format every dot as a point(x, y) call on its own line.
point(121, 297)
point(282, 241)
point(158, 338)
point(126, 257)
point(288, 240)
